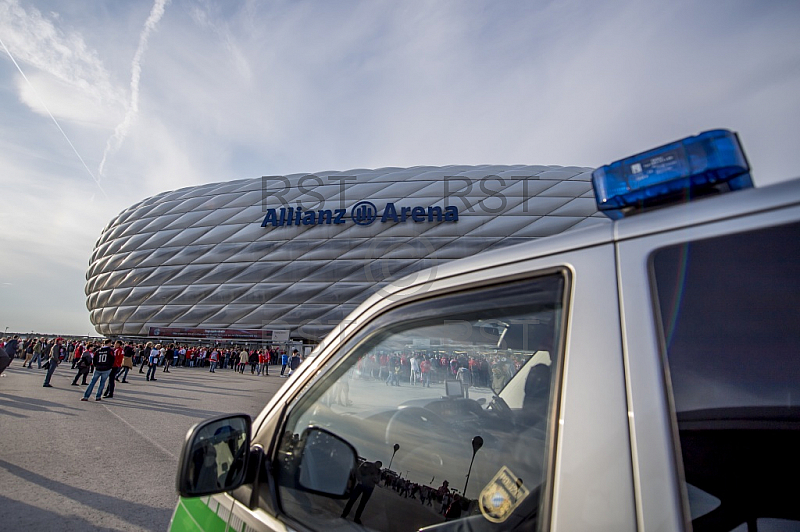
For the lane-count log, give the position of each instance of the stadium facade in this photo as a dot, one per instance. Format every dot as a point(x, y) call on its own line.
point(271, 257)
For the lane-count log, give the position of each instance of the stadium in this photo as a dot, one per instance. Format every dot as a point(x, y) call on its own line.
point(288, 257)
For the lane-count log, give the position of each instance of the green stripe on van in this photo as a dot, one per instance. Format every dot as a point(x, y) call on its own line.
point(194, 515)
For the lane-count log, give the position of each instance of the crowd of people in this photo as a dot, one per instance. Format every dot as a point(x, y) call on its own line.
point(369, 475)
point(417, 369)
point(423, 368)
point(110, 362)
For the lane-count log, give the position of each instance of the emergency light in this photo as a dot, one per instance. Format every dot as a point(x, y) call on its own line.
point(709, 163)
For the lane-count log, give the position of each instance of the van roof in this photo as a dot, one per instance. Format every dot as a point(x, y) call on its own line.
point(697, 212)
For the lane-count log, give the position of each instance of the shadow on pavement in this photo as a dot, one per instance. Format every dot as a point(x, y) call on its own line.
point(4, 410)
point(125, 401)
point(147, 517)
point(28, 403)
point(27, 517)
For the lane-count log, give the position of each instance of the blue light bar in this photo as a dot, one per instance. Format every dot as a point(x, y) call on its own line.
point(710, 162)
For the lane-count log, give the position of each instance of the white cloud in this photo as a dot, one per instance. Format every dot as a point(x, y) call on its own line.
point(34, 40)
point(65, 101)
point(121, 131)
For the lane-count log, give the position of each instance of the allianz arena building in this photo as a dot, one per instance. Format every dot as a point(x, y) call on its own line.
point(288, 257)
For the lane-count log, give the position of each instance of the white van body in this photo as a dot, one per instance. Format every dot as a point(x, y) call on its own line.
point(622, 400)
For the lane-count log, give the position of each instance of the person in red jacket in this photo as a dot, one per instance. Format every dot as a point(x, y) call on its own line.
point(119, 355)
point(76, 355)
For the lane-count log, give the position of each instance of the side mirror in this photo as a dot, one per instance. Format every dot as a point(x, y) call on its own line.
point(214, 456)
point(327, 463)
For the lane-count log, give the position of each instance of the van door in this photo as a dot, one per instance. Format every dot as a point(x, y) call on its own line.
point(711, 342)
point(497, 404)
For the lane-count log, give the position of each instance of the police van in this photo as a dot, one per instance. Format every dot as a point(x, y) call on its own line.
point(637, 375)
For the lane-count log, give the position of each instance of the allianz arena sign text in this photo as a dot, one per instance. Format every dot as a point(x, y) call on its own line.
point(362, 213)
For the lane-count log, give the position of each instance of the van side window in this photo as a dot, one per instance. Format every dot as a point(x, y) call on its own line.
point(730, 323)
point(437, 412)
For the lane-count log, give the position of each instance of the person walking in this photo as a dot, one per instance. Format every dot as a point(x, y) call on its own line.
point(128, 353)
point(253, 360)
point(284, 363)
point(294, 361)
point(368, 475)
point(169, 356)
point(103, 362)
point(414, 376)
point(76, 354)
point(144, 355)
point(214, 360)
point(242, 361)
point(425, 371)
point(38, 349)
point(83, 365)
point(155, 354)
point(27, 348)
point(55, 351)
point(119, 355)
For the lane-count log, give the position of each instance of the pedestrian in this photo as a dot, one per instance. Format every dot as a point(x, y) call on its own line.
point(103, 362)
point(144, 356)
point(76, 356)
point(253, 360)
point(214, 360)
point(243, 355)
point(128, 353)
point(414, 376)
point(169, 356)
point(38, 353)
point(119, 355)
point(27, 348)
point(394, 371)
point(465, 377)
point(294, 361)
point(55, 351)
point(284, 363)
point(155, 354)
point(84, 364)
point(368, 475)
point(425, 371)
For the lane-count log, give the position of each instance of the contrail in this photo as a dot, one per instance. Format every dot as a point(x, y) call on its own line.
point(121, 131)
point(53, 118)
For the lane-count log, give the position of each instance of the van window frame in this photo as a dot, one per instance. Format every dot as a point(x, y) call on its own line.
point(406, 306)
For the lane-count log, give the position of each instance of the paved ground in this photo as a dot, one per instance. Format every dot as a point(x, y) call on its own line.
point(108, 465)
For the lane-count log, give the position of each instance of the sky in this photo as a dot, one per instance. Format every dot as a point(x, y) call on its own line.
point(105, 103)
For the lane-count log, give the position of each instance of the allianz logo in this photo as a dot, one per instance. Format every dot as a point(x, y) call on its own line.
point(362, 213)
